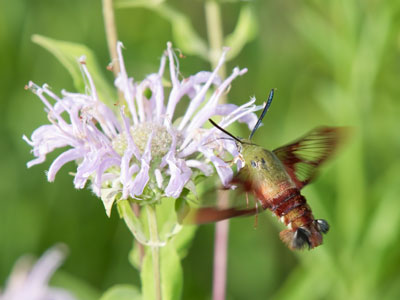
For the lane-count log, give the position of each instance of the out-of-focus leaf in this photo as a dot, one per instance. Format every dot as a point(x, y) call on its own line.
point(167, 219)
point(183, 240)
point(304, 279)
point(386, 215)
point(185, 36)
point(316, 29)
point(80, 289)
point(170, 230)
point(134, 256)
point(138, 3)
point(68, 54)
point(122, 292)
point(332, 98)
point(245, 31)
point(170, 272)
point(380, 235)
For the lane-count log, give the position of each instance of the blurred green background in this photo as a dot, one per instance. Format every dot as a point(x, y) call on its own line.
point(333, 62)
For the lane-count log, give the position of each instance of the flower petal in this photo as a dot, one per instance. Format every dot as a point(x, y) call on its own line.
point(32, 283)
point(224, 171)
point(143, 176)
point(67, 156)
point(125, 84)
point(104, 165)
point(205, 168)
point(180, 175)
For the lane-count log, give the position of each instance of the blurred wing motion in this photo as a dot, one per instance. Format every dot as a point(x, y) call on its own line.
point(303, 157)
point(210, 209)
point(211, 214)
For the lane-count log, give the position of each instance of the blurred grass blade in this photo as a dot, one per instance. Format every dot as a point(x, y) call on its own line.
point(316, 30)
point(68, 54)
point(380, 235)
point(137, 3)
point(245, 31)
point(185, 36)
point(122, 292)
point(305, 279)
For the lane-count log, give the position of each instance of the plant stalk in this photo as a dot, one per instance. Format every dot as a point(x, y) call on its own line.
point(111, 34)
point(215, 38)
point(155, 248)
point(215, 34)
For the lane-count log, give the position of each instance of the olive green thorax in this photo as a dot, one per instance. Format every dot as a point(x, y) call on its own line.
point(263, 165)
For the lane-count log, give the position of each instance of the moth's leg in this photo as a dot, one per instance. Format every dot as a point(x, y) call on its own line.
point(233, 161)
point(256, 216)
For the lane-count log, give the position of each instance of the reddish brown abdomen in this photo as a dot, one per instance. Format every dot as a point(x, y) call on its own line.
point(293, 208)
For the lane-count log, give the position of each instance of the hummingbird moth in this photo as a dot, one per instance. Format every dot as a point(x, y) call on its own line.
point(275, 179)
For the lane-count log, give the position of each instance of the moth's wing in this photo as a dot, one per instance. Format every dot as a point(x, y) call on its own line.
point(212, 214)
point(216, 203)
point(303, 157)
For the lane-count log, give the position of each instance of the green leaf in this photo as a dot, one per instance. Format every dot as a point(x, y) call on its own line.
point(183, 240)
point(134, 256)
point(245, 31)
point(137, 3)
point(122, 292)
point(185, 36)
point(79, 288)
point(68, 54)
point(171, 275)
point(134, 223)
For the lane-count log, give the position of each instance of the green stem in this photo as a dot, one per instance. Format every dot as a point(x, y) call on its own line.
point(111, 33)
point(215, 34)
point(155, 248)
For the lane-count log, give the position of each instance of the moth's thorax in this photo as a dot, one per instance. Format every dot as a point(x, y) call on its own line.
point(263, 165)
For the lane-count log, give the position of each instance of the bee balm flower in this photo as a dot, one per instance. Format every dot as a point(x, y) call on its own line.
point(145, 151)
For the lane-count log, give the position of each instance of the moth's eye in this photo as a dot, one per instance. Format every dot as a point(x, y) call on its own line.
point(301, 238)
point(253, 164)
point(322, 225)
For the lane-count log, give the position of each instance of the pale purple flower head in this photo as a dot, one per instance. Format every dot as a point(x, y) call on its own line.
point(31, 282)
point(145, 150)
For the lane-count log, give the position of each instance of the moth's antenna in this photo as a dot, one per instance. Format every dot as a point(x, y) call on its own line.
point(224, 131)
point(221, 138)
point(271, 95)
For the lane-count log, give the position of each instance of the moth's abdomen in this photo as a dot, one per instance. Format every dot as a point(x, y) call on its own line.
point(292, 209)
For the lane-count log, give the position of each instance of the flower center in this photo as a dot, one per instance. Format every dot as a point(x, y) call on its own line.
point(160, 143)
